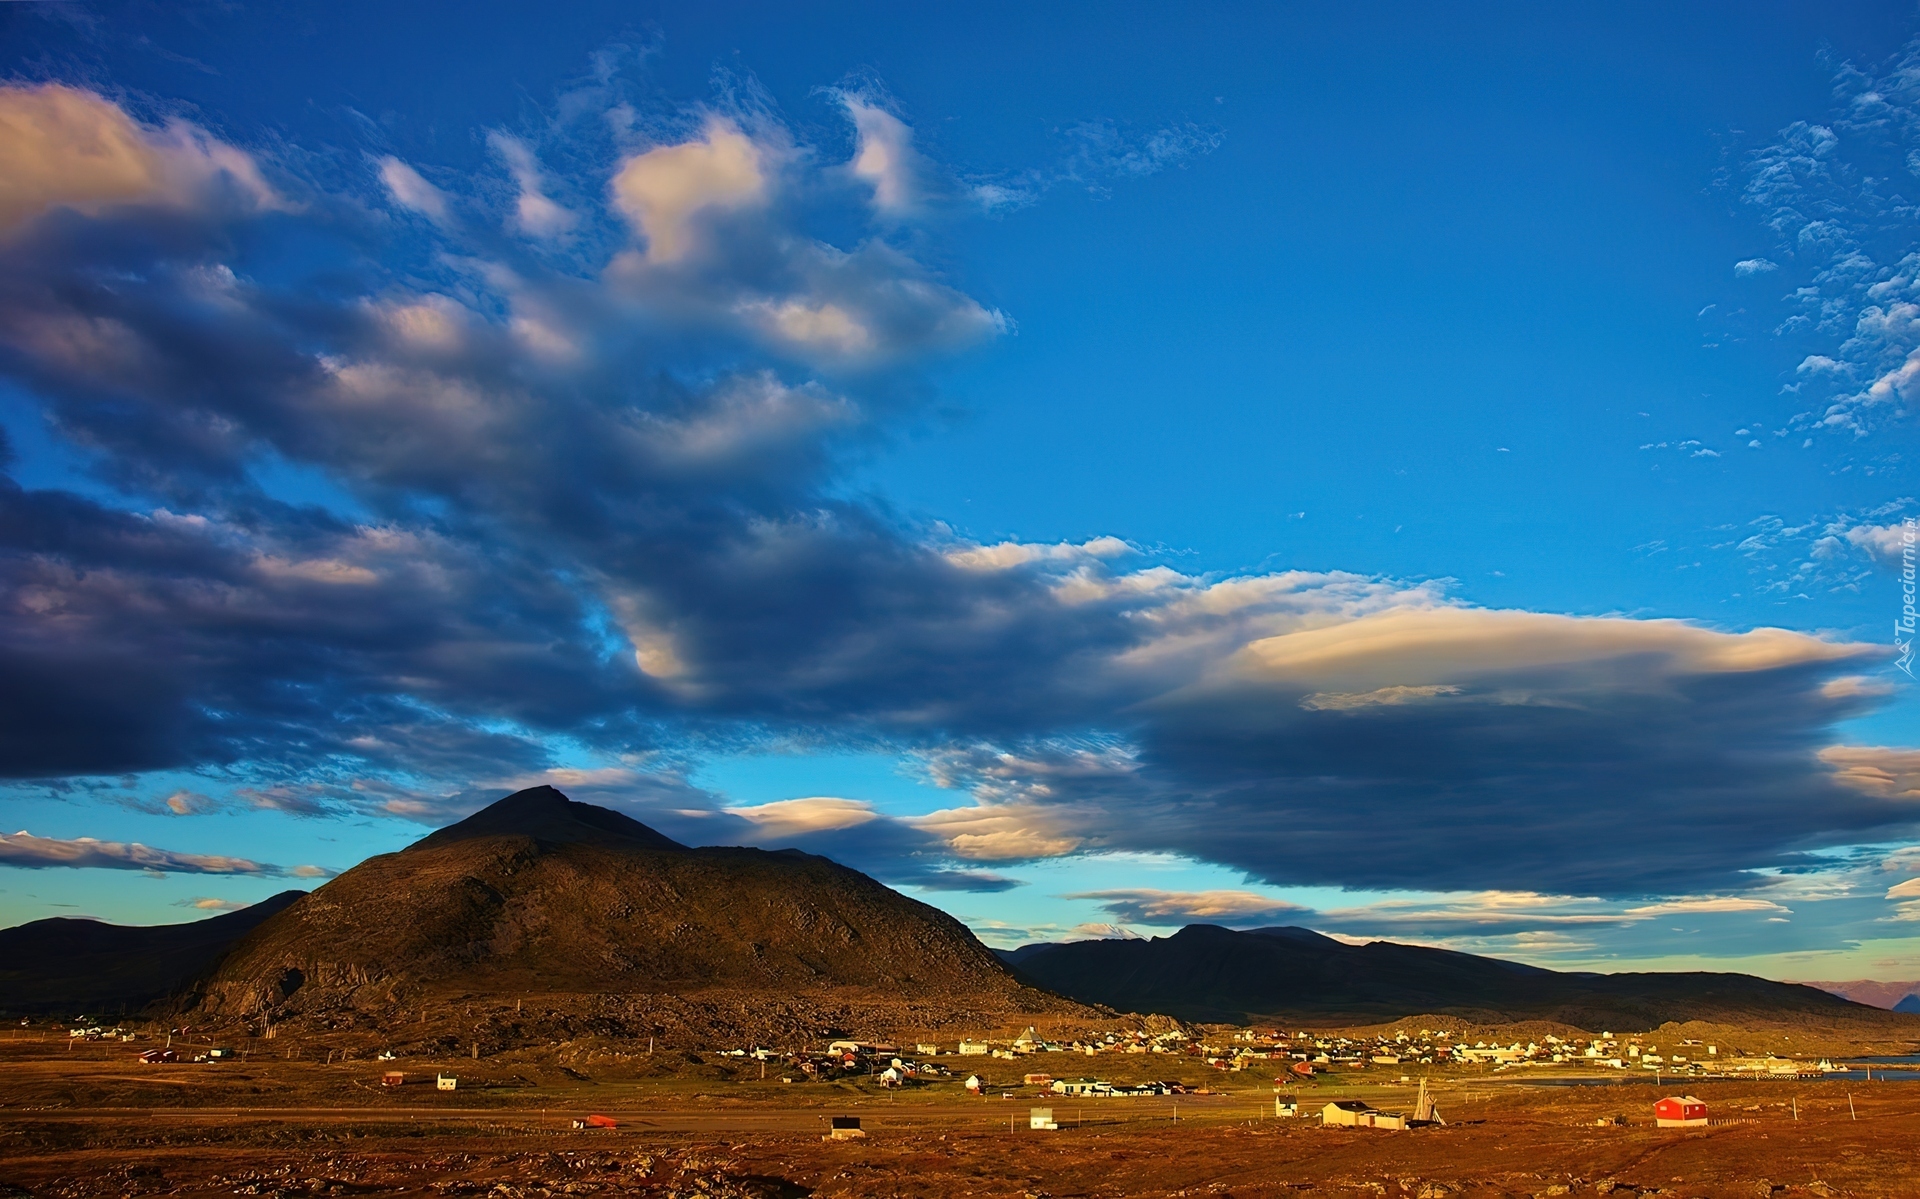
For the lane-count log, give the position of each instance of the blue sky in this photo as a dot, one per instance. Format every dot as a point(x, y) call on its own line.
point(1413, 472)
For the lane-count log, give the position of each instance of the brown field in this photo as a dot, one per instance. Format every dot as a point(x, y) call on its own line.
point(87, 1120)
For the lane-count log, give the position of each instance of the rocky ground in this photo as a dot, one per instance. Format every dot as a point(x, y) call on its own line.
point(86, 1122)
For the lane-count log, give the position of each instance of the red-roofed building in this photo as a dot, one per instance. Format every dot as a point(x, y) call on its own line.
point(1682, 1111)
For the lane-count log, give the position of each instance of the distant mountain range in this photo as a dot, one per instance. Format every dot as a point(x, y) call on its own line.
point(1208, 973)
point(68, 966)
point(616, 930)
point(1895, 996)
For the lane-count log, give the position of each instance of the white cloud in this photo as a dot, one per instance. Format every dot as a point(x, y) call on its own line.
point(1876, 769)
point(1005, 832)
point(815, 325)
point(66, 147)
point(1754, 266)
point(667, 189)
point(1420, 647)
point(884, 156)
point(535, 214)
point(788, 818)
point(207, 903)
point(25, 849)
point(410, 190)
point(1887, 542)
point(1007, 555)
point(1150, 906)
point(1702, 904)
point(1334, 701)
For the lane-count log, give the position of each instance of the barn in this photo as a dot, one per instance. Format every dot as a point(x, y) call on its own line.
point(1680, 1111)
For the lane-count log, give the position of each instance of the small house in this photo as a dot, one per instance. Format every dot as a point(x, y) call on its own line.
point(1041, 1117)
point(975, 1049)
point(393, 1078)
point(1680, 1111)
point(445, 1082)
point(974, 1084)
point(844, 1128)
point(892, 1077)
point(1038, 1080)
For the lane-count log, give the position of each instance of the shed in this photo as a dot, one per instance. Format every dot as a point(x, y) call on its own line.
point(393, 1078)
point(1039, 1080)
point(1348, 1113)
point(1680, 1111)
point(973, 1083)
point(1040, 1117)
point(844, 1128)
point(597, 1121)
point(445, 1082)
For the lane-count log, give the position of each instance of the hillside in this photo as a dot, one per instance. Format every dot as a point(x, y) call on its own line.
point(70, 967)
point(538, 895)
point(1208, 973)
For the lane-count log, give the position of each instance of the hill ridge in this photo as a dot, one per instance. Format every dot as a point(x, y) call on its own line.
point(1210, 973)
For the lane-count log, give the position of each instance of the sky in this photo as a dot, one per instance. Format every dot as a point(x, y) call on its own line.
point(1442, 473)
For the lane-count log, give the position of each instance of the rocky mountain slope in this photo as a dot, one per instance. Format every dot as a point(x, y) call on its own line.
point(540, 896)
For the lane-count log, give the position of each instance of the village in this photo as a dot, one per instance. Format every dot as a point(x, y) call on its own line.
point(1151, 1107)
point(1297, 1058)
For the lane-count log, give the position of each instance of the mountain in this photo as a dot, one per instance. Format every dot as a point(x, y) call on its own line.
point(539, 895)
point(1909, 1005)
point(1208, 973)
point(1871, 992)
point(88, 967)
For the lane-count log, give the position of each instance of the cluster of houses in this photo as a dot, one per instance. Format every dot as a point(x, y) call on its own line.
point(1308, 1053)
point(1292, 1056)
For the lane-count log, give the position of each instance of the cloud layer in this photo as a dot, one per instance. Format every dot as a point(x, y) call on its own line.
point(582, 443)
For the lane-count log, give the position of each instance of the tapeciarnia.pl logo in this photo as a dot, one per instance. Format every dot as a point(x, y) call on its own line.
point(1903, 627)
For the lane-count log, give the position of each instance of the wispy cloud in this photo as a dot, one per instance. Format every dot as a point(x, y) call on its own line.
point(25, 849)
point(1096, 156)
point(1829, 191)
point(1230, 908)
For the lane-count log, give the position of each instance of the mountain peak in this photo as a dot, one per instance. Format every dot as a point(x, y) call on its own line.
point(546, 814)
